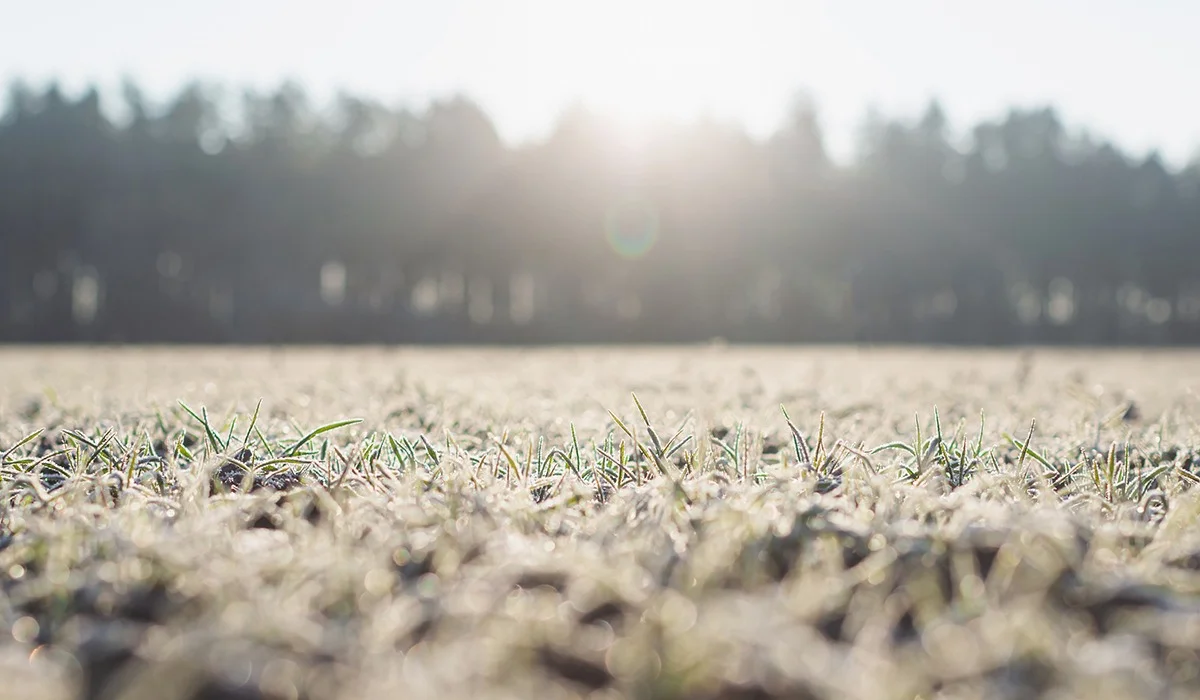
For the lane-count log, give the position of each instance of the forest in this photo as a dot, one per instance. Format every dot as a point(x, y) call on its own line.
point(237, 216)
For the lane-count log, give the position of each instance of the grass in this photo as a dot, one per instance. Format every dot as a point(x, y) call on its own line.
point(654, 523)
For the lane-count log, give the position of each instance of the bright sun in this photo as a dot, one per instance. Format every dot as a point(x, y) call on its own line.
point(645, 60)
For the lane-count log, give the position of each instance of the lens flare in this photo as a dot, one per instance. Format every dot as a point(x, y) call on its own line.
point(631, 227)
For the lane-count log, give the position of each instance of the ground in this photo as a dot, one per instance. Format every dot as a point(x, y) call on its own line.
point(700, 522)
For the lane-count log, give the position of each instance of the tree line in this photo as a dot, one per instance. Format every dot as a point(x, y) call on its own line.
point(252, 217)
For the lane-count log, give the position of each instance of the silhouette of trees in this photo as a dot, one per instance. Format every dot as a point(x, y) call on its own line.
point(220, 217)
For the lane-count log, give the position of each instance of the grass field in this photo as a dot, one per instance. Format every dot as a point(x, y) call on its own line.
point(443, 523)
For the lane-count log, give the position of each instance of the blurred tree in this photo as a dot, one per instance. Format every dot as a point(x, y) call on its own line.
point(266, 218)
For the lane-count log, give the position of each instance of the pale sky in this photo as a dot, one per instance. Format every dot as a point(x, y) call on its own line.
point(1117, 67)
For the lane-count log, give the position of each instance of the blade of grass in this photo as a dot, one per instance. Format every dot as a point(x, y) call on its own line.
point(213, 441)
point(253, 423)
point(23, 441)
point(797, 440)
point(291, 451)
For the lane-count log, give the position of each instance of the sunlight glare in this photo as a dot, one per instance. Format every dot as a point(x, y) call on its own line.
point(645, 61)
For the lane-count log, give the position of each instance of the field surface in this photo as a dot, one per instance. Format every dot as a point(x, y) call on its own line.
point(703, 522)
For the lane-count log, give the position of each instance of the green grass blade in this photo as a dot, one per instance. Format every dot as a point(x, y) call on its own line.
point(291, 451)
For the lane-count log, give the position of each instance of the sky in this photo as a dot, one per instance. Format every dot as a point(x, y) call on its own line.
point(1116, 67)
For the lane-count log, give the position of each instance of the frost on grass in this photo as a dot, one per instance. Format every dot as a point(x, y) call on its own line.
point(691, 544)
